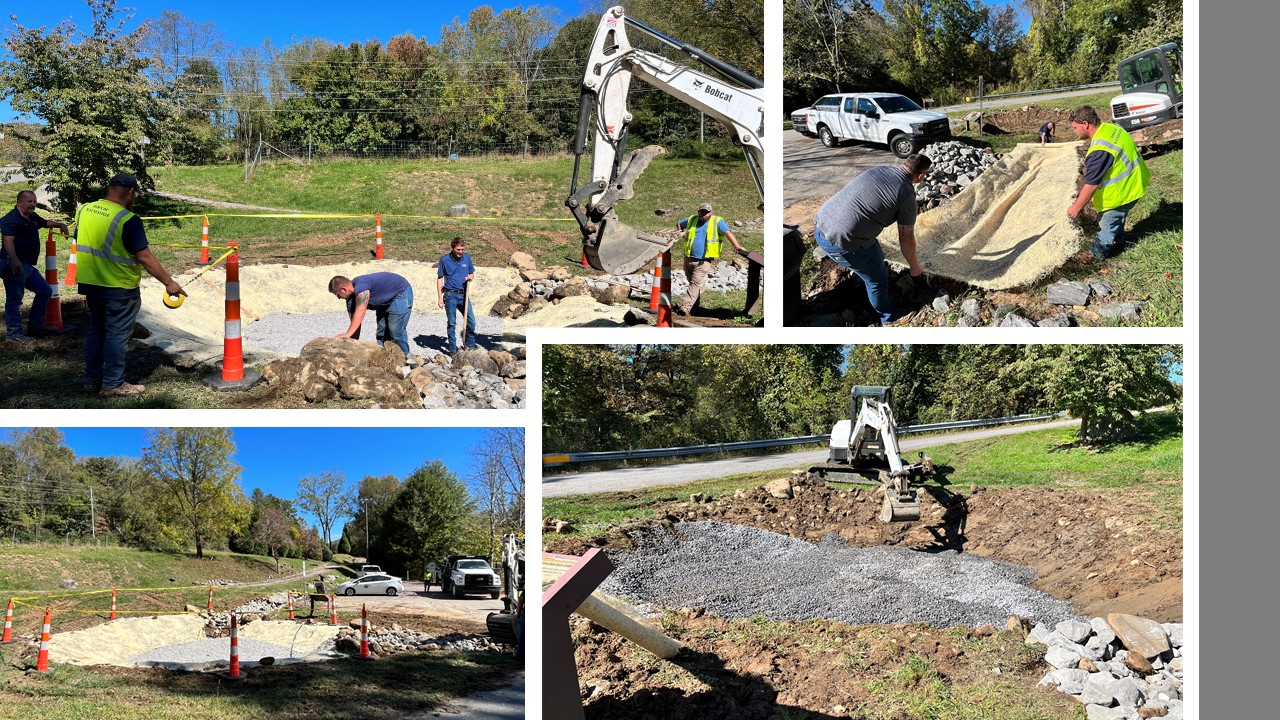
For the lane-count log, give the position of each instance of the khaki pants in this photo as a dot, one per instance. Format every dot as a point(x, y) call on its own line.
point(697, 271)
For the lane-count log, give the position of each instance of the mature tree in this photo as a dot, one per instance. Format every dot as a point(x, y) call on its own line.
point(311, 546)
point(429, 516)
point(497, 470)
point(325, 496)
point(90, 92)
point(271, 530)
point(45, 484)
point(124, 501)
point(1103, 385)
point(372, 498)
point(198, 480)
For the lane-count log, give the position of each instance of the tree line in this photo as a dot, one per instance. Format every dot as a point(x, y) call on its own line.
point(183, 494)
point(938, 48)
point(622, 397)
point(508, 78)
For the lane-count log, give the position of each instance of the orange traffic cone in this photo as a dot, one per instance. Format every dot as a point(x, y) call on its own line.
point(42, 662)
point(664, 296)
point(204, 242)
point(71, 265)
point(377, 234)
point(209, 605)
point(364, 632)
point(53, 311)
point(233, 672)
point(657, 284)
point(333, 610)
point(290, 595)
point(113, 603)
point(8, 624)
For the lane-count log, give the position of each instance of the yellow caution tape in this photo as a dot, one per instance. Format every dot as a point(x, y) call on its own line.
point(348, 216)
point(193, 247)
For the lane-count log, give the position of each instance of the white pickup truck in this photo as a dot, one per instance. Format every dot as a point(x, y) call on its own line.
point(885, 118)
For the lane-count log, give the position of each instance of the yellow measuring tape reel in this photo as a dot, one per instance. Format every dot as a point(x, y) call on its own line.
point(173, 302)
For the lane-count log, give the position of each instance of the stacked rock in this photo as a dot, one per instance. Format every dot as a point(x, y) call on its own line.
point(955, 165)
point(1119, 667)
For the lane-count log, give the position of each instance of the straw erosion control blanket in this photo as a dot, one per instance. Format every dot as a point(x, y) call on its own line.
point(1008, 228)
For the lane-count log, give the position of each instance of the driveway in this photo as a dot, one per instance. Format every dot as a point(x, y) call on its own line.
point(811, 170)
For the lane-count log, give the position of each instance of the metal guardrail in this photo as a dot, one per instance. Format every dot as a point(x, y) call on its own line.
point(1045, 91)
point(553, 459)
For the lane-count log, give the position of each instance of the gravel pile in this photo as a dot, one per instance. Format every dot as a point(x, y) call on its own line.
point(287, 333)
point(737, 572)
point(955, 165)
point(725, 277)
point(397, 640)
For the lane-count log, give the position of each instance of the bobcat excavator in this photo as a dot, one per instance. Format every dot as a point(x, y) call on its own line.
point(503, 625)
point(864, 448)
point(737, 102)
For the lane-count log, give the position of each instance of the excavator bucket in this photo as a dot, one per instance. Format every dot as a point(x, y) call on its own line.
point(621, 249)
point(899, 508)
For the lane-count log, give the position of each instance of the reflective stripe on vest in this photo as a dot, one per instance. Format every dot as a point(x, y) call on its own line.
point(1126, 179)
point(712, 249)
point(105, 261)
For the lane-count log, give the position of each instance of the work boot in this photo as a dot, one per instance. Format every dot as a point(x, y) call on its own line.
point(92, 386)
point(123, 390)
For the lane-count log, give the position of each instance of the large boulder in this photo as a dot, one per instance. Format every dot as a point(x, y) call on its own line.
point(571, 288)
point(371, 384)
point(559, 273)
point(612, 294)
point(507, 308)
point(478, 359)
point(523, 261)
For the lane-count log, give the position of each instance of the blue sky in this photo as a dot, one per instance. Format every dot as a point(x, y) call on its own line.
point(247, 24)
point(273, 459)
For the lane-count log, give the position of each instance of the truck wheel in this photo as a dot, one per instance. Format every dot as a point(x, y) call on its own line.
point(457, 591)
point(901, 145)
point(495, 595)
point(824, 134)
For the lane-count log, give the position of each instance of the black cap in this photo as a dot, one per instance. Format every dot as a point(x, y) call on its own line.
point(124, 180)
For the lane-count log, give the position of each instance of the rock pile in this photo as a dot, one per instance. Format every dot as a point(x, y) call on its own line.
point(396, 639)
point(338, 367)
point(549, 285)
point(1028, 119)
point(955, 165)
point(1118, 667)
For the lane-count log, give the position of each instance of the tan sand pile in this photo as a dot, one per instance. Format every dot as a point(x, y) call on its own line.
point(197, 328)
point(1008, 228)
point(118, 642)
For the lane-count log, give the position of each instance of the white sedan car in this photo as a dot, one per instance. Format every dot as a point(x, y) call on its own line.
point(372, 585)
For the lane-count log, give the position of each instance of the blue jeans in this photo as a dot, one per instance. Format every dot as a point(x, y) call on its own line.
point(393, 320)
point(14, 285)
point(452, 299)
point(110, 327)
point(867, 264)
point(1111, 231)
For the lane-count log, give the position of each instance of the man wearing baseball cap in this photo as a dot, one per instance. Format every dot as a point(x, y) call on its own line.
point(702, 233)
point(113, 252)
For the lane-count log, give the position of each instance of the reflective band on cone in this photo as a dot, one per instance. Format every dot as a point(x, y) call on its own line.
point(113, 603)
point(364, 632)
point(233, 673)
point(8, 624)
point(71, 264)
point(377, 234)
point(204, 242)
point(290, 594)
point(333, 610)
point(657, 284)
point(664, 295)
point(42, 662)
point(53, 311)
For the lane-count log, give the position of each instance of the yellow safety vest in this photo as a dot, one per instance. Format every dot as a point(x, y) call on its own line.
point(1127, 178)
point(100, 243)
point(713, 236)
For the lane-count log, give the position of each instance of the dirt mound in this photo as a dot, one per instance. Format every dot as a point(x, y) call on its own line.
point(1099, 550)
point(1028, 119)
point(750, 670)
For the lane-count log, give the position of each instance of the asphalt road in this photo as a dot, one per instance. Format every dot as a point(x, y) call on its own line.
point(470, 610)
point(601, 481)
point(1028, 99)
point(811, 170)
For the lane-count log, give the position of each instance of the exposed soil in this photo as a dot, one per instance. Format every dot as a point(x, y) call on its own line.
point(1100, 551)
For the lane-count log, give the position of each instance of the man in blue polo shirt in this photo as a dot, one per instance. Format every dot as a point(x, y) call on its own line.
point(388, 295)
point(702, 233)
point(453, 274)
point(21, 231)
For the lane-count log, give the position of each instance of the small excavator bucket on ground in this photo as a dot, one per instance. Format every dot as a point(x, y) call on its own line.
point(898, 508)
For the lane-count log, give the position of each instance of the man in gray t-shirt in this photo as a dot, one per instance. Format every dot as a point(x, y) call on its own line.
point(848, 224)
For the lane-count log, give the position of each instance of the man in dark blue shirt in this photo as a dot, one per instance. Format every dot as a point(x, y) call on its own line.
point(452, 275)
point(391, 298)
point(1046, 132)
point(20, 229)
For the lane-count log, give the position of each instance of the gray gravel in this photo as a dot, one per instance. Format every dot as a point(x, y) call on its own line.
point(737, 572)
point(287, 333)
point(212, 649)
